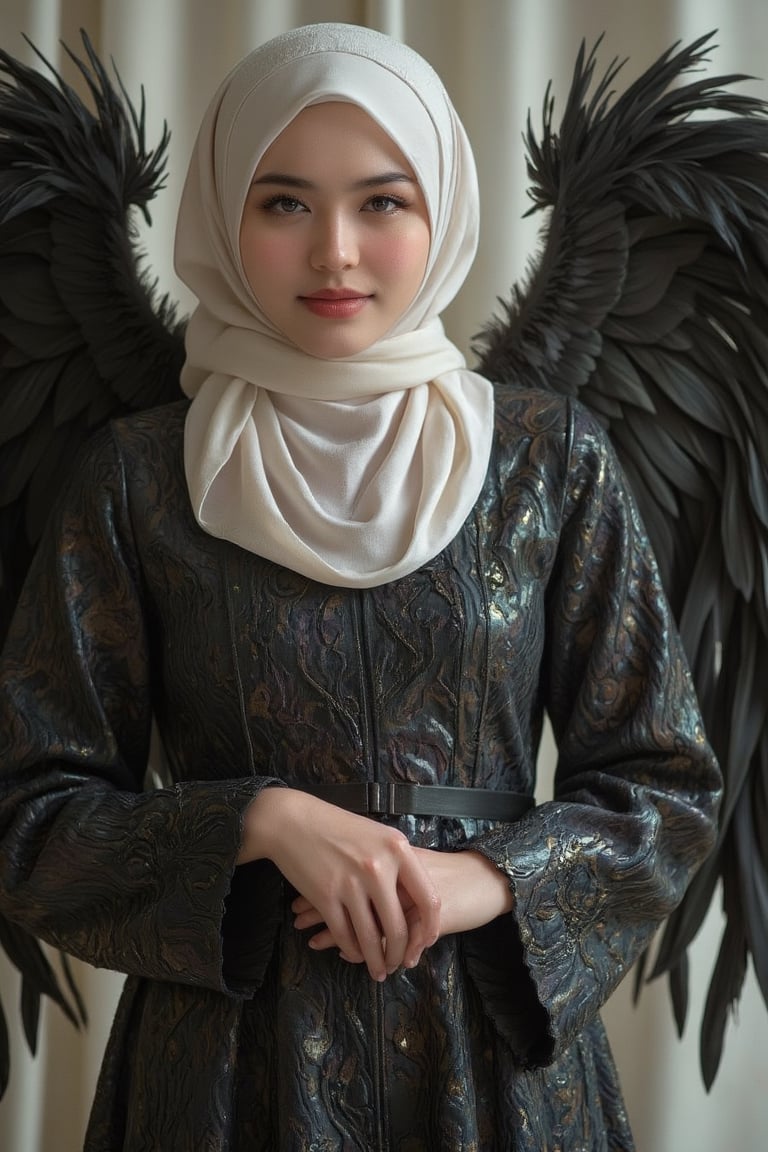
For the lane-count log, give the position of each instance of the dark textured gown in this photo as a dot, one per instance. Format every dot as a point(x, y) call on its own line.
point(232, 1035)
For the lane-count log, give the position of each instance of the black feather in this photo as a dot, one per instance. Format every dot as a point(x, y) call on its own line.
point(83, 336)
point(669, 298)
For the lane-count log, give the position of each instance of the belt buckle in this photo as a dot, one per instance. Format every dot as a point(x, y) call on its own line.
point(380, 798)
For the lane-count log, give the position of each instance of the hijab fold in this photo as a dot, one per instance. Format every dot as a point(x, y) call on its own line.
point(353, 471)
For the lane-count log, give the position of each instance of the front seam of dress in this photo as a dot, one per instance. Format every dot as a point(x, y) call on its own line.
point(371, 755)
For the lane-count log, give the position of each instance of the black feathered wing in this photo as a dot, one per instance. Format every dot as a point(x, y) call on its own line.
point(82, 337)
point(649, 302)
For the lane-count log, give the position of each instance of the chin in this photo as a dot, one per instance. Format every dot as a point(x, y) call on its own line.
point(334, 349)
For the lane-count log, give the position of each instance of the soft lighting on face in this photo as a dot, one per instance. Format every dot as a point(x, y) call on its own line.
point(335, 234)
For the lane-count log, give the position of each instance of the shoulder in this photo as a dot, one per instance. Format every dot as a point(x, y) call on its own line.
point(555, 445)
point(129, 461)
point(532, 412)
point(134, 436)
point(529, 411)
point(533, 429)
point(558, 427)
point(147, 447)
point(161, 427)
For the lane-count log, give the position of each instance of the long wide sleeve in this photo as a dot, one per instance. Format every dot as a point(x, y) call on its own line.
point(595, 870)
point(133, 880)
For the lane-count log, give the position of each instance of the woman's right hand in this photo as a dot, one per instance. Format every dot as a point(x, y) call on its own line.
point(350, 868)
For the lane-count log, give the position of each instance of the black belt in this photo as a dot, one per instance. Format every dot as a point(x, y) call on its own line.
point(371, 798)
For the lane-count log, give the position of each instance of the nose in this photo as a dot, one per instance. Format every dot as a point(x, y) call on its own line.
point(334, 243)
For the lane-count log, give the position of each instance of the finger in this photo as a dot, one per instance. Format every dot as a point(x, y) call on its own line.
point(322, 940)
point(301, 904)
point(392, 926)
point(343, 933)
point(369, 936)
point(412, 918)
point(309, 919)
point(423, 911)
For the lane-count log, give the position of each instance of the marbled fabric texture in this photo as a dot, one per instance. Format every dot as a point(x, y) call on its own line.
point(232, 1036)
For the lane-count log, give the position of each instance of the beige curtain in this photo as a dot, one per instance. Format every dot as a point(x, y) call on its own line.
point(495, 57)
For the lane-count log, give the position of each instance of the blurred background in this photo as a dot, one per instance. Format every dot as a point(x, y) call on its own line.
point(495, 57)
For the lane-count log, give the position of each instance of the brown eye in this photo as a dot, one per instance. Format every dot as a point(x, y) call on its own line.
point(284, 206)
point(385, 204)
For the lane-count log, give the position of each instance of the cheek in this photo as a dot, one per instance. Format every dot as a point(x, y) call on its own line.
point(404, 256)
point(264, 256)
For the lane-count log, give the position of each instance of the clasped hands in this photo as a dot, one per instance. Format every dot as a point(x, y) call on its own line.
point(370, 893)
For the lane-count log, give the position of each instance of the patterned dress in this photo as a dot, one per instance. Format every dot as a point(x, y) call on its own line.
point(232, 1035)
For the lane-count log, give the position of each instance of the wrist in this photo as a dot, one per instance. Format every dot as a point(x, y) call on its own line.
point(495, 882)
point(263, 822)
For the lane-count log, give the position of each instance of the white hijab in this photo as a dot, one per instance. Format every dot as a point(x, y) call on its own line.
point(353, 471)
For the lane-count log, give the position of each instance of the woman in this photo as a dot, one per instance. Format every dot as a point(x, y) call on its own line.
point(347, 579)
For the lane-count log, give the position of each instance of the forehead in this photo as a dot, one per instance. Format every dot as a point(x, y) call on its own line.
point(335, 132)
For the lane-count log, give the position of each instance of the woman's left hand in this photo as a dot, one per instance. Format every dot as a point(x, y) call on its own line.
point(472, 892)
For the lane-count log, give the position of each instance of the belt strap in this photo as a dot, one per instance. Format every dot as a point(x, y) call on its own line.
point(371, 798)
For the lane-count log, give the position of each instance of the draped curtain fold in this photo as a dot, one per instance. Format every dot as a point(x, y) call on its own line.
point(495, 57)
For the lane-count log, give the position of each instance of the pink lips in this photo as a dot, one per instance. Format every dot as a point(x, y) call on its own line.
point(335, 303)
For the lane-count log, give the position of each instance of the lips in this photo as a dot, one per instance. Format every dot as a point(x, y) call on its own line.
point(335, 303)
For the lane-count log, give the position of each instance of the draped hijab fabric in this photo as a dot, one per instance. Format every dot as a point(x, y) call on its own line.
point(351, 471)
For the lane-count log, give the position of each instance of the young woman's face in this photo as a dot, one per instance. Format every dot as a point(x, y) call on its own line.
point(335, 234)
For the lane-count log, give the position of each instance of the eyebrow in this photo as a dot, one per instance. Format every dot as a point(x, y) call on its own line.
point(298, 182)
